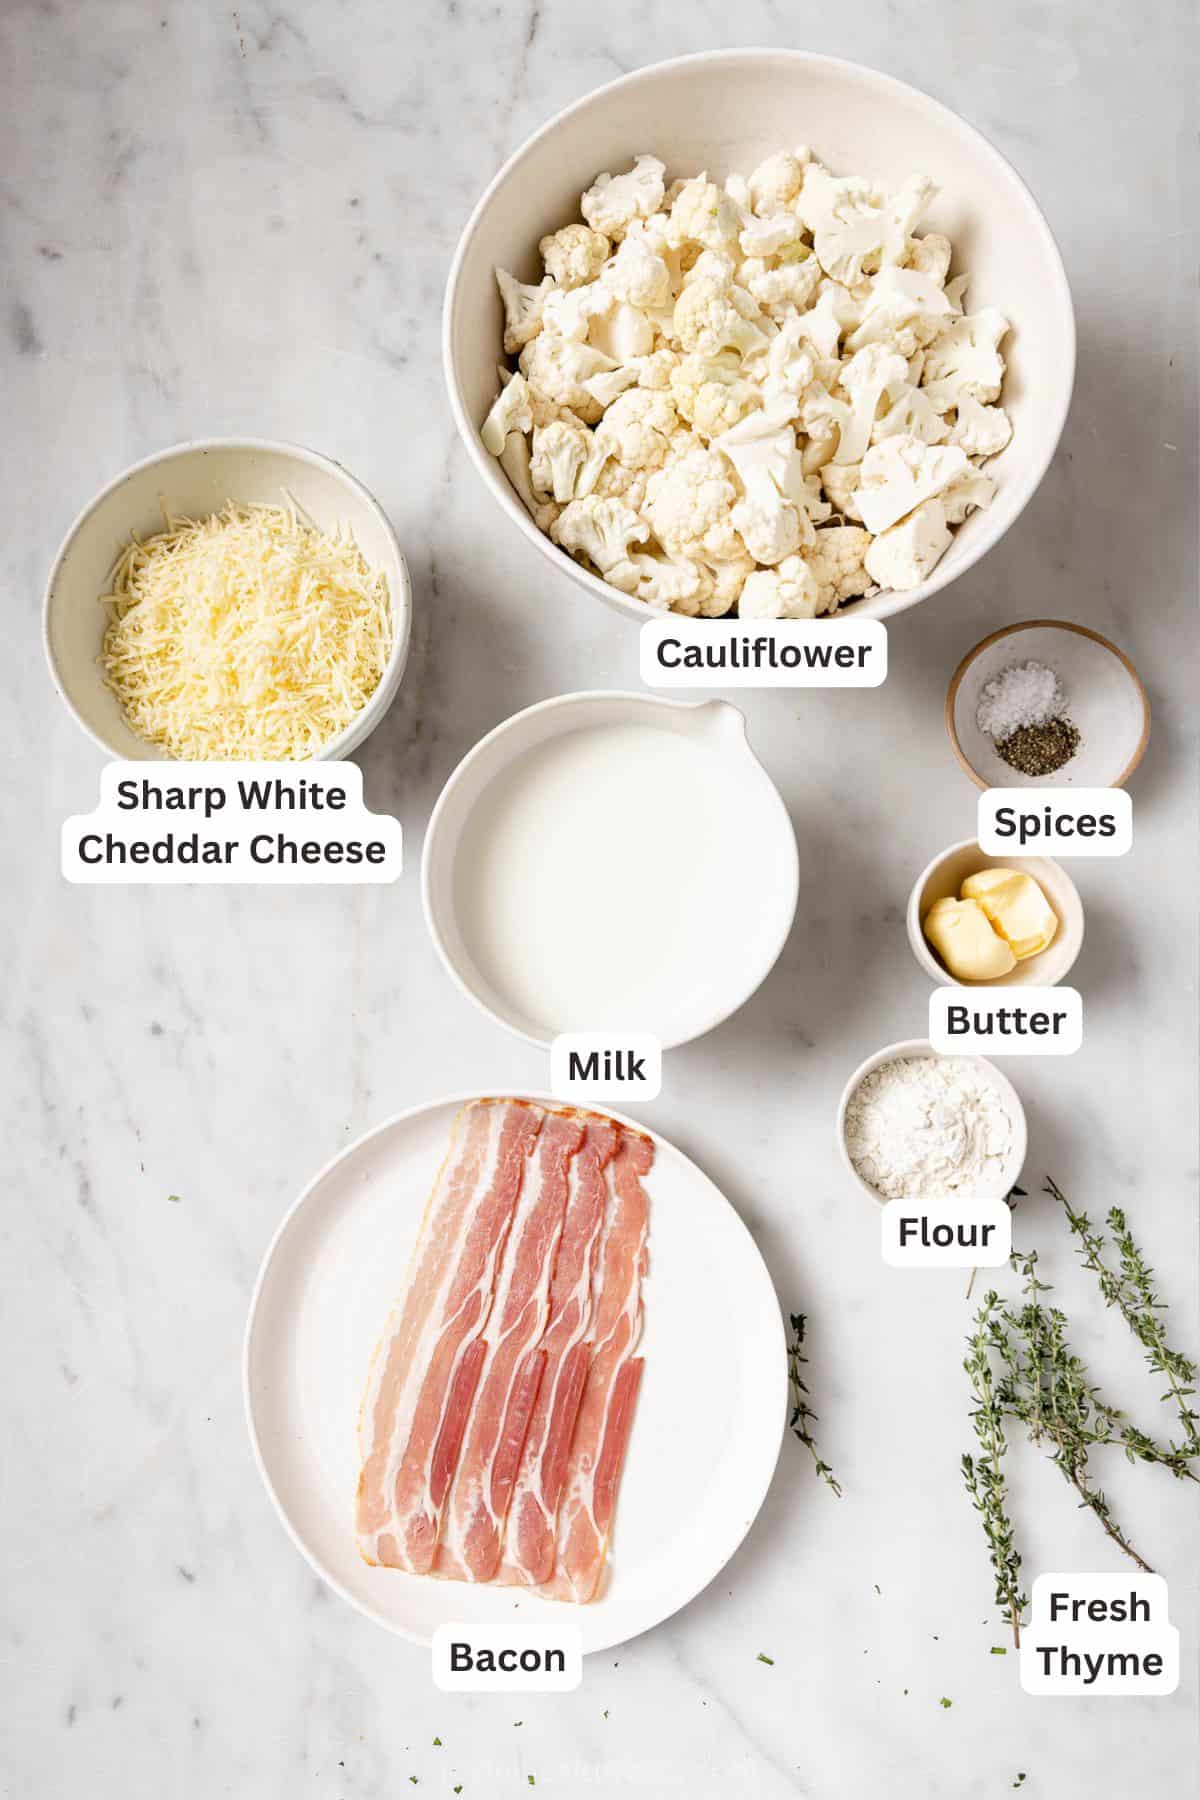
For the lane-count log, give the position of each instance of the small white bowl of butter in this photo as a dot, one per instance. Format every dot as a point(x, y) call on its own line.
point(611, 863)
point(943, 880)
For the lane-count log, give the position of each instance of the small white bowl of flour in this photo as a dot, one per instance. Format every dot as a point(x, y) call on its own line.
point(914, 1125)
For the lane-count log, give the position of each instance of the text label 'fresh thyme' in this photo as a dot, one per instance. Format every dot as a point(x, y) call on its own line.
point(1100, 1634)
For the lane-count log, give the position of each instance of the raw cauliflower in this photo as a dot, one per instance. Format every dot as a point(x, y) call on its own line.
point(758, 393)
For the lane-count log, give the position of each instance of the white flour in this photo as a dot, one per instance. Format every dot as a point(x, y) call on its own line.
point(927, 1126)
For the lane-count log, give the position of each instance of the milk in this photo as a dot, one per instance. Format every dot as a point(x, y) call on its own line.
point(613, 879)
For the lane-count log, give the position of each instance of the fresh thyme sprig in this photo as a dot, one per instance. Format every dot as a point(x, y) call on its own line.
point(1130, 1288)
point(803, 1417)
point(985, 1476)
point(1023, 1368)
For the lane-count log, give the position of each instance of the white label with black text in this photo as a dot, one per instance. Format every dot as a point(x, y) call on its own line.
point(507, 1659)
point(946, 1234)
point(679, 652)
point(591, 1066)
point(1099, 1634)
point(272, 824)
point(1006, 1021)
point(1055, 821)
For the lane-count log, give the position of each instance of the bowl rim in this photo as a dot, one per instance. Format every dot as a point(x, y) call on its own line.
point(915, 1047)
point(891, 601)
point(931, 964)
point(559, 702)
point(365, 721)
point(994, 637)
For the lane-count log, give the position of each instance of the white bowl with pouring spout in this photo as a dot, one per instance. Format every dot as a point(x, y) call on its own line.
point(611, 862)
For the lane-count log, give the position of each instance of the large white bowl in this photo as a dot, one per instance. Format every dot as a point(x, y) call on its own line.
point(724, 111)
point(193, 481)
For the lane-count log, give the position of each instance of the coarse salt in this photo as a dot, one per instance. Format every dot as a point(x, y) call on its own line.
point(1027, 693)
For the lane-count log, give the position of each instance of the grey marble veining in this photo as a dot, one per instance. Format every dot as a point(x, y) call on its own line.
point(240, 220)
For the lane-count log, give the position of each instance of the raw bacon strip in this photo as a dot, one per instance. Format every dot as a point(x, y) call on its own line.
point(606, 1410)
point(473, 1522)
point(529, 1532)
point(427, 1367)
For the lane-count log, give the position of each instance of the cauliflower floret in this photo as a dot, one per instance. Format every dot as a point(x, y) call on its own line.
point(689, 503)
point(778, 180)
point(557, 367)
point(770, 235)
point(511, 411)
point(769, 525)
point(980, 430)
point(607, 387)
point(715, 266)
point(840, 481)
point(574, 255)
point(766, 440)
point(655, 370)
point(514, 460)
point(793, 284)
point(565, 460)
point(856, 230)
point(974, 489)
point(637, 429)
point(601, 530)
point(702, 213)
point(707, 320)
point(622, 333)
point(616, 482)
point(964, 357)
point(911, 414)
point(638, 275)
point(723, 581)
point(672, 586)
point(791, 366)
point(870, 377)
point(836, 560)
point(903, 555)
point(905, 310)
point(711, 392)
point(522, 309)
point(931, 255)
point(613, 201)
point(790, 591)
point(570, 312)
point(899, 473)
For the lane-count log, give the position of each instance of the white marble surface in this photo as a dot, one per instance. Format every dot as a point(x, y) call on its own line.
point(241, 222)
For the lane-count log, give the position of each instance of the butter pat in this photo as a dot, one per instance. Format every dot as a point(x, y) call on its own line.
point(1016, 907)
point(961, 933)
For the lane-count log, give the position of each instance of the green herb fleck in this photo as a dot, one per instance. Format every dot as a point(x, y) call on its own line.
point(174, 1198)
point(437, 1743)
point(999, 1650)
point(763, 1657)
point(944, 1703)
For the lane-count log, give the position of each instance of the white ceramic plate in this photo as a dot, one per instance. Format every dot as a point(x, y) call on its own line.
point(709, 1420)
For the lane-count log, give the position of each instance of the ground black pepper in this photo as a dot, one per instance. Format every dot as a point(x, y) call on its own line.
point(1040, 749)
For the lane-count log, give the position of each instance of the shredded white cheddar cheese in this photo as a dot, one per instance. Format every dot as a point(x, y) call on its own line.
point(251, 635)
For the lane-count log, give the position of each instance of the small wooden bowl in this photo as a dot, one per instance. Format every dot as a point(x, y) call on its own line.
point(1105, 699)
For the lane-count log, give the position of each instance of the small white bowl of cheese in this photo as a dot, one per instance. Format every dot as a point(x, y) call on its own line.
point(195, 481)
